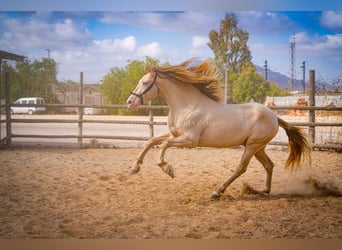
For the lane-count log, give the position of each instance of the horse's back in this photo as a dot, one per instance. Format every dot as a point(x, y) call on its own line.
point(250, 114)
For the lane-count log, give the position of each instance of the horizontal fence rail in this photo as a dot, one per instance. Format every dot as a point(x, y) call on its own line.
point(161, 107)
point(151, 123)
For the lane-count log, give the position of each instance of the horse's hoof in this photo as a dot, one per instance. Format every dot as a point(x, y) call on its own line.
point(215, 196)
point(170, 172)
point(134, 171)
point(168, 169)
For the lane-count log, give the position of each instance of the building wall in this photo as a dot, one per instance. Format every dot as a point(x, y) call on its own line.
point(69, 94)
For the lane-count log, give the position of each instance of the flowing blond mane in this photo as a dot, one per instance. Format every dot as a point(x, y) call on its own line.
point(205, 76)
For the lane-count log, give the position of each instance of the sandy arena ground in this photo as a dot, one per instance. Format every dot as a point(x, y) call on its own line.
point(88, 193)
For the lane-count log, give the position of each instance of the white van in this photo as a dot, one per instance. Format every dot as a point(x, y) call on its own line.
point(27, 109)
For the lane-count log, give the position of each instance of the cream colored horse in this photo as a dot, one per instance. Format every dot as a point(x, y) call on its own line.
point(198, 118)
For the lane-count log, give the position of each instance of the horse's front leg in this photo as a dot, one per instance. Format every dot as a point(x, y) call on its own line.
point(181, 141)
point(152, 142)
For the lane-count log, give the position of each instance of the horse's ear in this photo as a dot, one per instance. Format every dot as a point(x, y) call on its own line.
point(148, 69)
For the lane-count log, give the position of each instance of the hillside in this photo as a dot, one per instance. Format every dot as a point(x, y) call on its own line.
point(281, 80)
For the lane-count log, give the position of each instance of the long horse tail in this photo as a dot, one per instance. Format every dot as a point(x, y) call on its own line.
point(299, 145)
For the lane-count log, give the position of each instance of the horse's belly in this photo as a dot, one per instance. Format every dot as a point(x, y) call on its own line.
point(215, 137)
point(220, 144)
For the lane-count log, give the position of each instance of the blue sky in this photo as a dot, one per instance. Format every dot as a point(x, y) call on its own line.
point(95, 41)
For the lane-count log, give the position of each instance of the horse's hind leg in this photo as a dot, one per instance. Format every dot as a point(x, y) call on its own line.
point(152, 142)
point(241, 168)
point(268, 165)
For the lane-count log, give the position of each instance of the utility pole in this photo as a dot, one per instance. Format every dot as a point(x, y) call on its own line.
point(48, 51)
point(225, 85)
point(48, 76)
point(303, 80)
point(293, 62)
point(265, 66)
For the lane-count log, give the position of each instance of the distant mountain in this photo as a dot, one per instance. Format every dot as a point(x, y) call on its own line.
point(281, 80)
point(284, 82)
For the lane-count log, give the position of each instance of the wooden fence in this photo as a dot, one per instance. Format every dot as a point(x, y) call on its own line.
point(151, 123)
point(7, 140)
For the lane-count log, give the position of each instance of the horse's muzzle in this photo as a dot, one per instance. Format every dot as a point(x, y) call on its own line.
point(133, 102)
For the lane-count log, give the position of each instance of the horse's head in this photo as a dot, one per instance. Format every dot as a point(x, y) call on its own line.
point(145, 91)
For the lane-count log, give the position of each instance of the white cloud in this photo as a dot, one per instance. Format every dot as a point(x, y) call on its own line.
point(260, 22)
point(321, 44)
point(153, 49)
point(332, 20)
point(67, 30)
point(35, 33)
point(98, 58)
point(115, 45)
point(301, 38)
point(24, 35)
point(200, 22)
point(199, 41)
point(199, 46)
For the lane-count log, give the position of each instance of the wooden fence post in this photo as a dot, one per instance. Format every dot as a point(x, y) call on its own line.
point(227, 89)
point(151, 121)
point(8, 110)
point(312, 90)
point(80, 113)
point(0, 98)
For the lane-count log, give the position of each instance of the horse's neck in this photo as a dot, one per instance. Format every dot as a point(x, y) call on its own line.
point(180, 96)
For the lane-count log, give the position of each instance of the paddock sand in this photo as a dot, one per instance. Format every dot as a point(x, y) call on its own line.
point(88, 193)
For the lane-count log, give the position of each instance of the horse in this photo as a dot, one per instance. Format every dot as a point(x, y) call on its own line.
point(198, 118)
